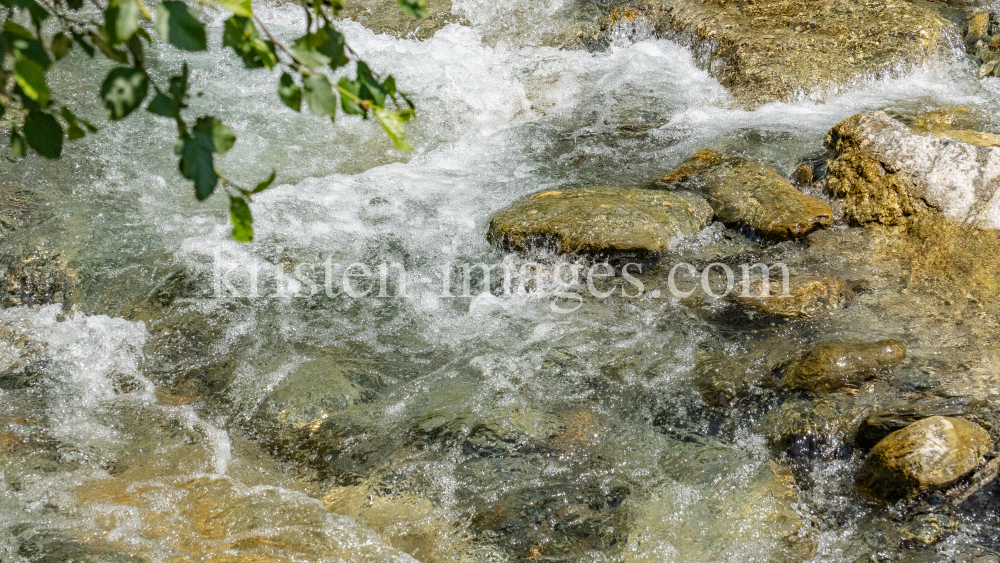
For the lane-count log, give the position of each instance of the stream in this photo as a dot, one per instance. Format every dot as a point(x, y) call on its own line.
point(152, 417)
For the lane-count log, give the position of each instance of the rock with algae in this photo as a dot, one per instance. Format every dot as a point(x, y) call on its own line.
point(885, 171)
point(601, 220)
point(932, 453)
point(751, 194)
point(779, 49)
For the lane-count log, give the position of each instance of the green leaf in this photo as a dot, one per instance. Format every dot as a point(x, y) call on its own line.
point(3, 110)
point(290, 94)
point(305, 52)
point(61, 45)
point(239, 213)
point(17, 145)
point(414, 8)
point(370, 90)
point(350, 103)
point(238, 7)
point(135, 47)
point(74, 4)
point(123, 90)
point(389, 86)
point(31, 78)
point(82, 42)
point(121, 20)
point(241, 34)
point(196, 163)
point(179, 86)
point(265, 184)
point(165, 106)
point(180, 27)
point(24, 45)
point(223, 137)
point(44, 134)
point(394, 127)
point(330, 43)
point(74, 123)
point(319, 95)
point(74, 132)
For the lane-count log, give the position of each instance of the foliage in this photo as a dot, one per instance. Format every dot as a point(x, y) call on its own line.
point(121, 30)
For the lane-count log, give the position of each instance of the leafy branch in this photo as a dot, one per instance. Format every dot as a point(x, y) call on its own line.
point(120, 36)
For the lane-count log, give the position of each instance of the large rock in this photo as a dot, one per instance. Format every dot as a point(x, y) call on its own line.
point(929, 454)
point(891, 418)
point(603, 221)
point(781, 49)
point(830, 366)
point(885, 171)
point(384, 16)
point(751, 194)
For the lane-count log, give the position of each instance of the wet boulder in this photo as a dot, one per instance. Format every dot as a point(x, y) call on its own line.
point(930, 454)
point(885, 171)
point(781, 49)
point(889, 419)
point(751, 194)
point(806, 296)
point(831, 366)
point(815, 427)
point(603, 221)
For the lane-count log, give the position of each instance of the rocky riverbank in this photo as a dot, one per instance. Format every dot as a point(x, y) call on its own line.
point(896, 190)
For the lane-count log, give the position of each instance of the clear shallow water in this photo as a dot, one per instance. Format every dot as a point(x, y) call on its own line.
point(165, 424)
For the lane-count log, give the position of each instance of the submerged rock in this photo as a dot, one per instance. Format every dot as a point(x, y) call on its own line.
point(932, 453)
point(927, 529)
point(752, 194)
point(834, 365)
point(806, 297)
point(956, 123)
point(884, 171)
point(741, 505)
point(814, 427)
point(407, 522)
point(779, 49)
point(603, 221)
point(885, 421)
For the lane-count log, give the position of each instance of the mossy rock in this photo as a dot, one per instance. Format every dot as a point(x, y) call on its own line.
point(603, 221)
point(783, 49)
point(929, 454)
point(751, 194)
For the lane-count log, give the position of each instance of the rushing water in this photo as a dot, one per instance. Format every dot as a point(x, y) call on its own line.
point(161, 422)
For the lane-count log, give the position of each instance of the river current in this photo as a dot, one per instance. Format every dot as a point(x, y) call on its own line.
point(161, 421)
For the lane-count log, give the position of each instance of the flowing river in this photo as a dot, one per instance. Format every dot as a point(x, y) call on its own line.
point(156, 419)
